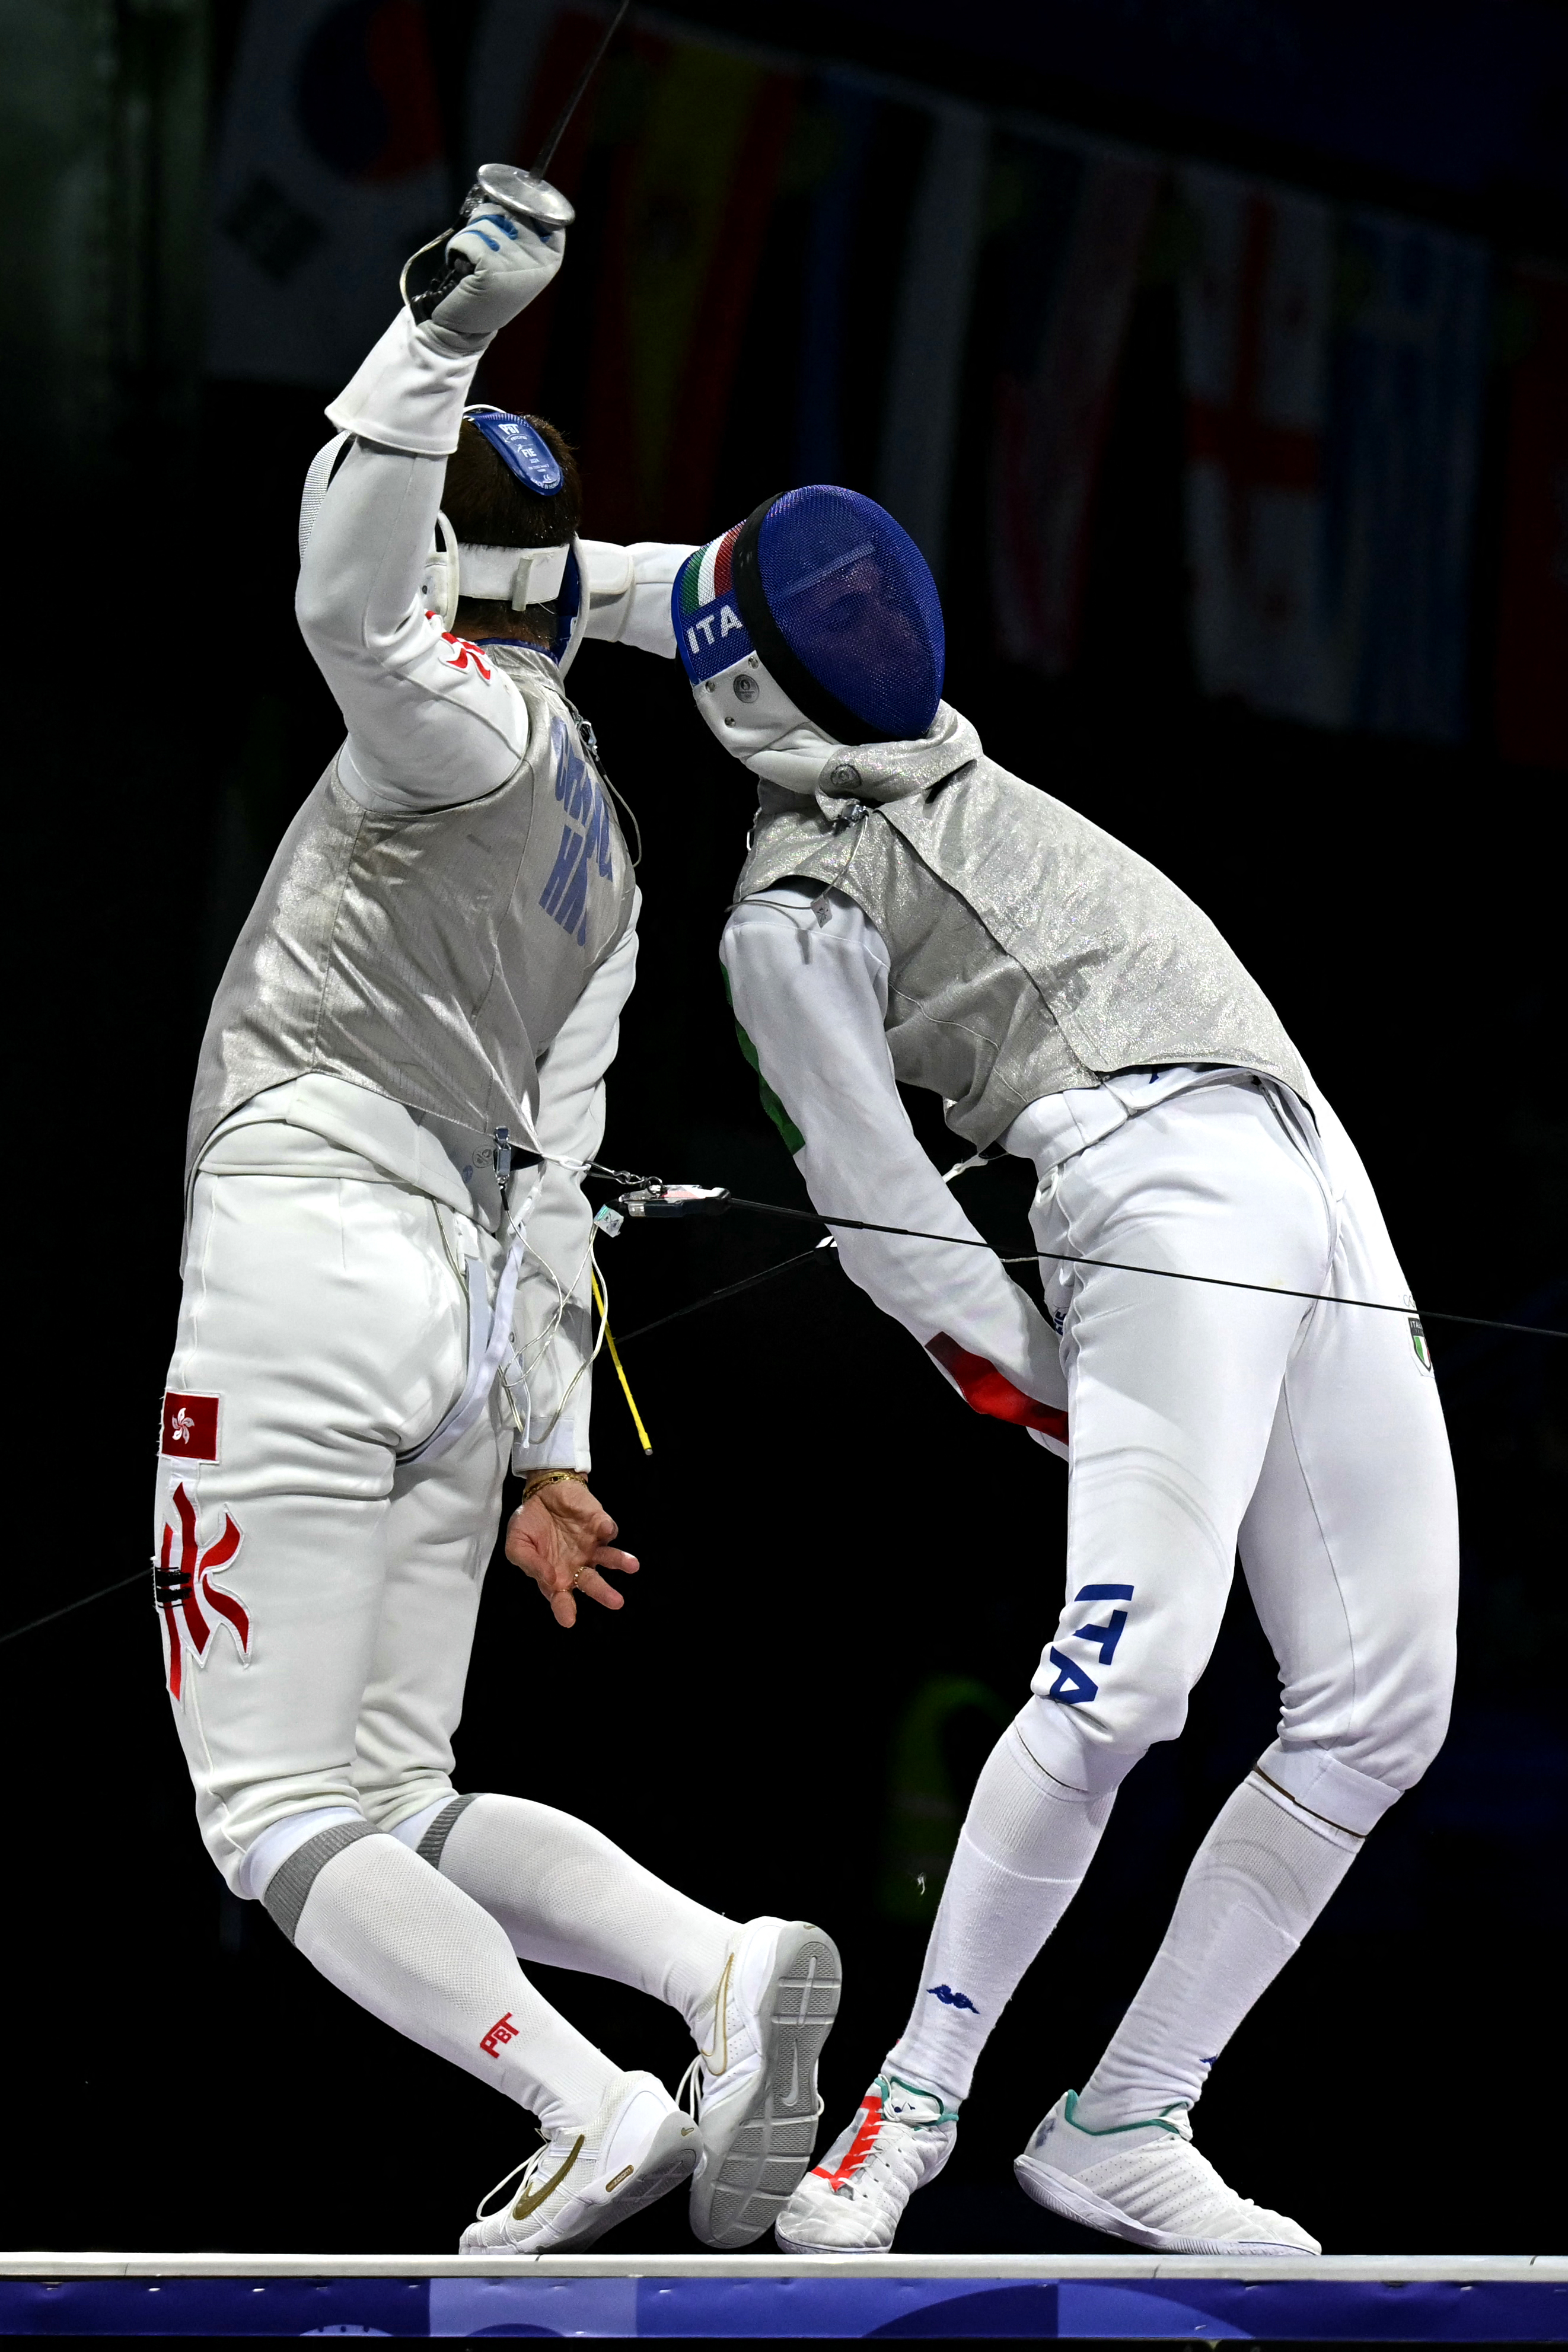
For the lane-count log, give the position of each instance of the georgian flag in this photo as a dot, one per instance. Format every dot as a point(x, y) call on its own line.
point(709, 631)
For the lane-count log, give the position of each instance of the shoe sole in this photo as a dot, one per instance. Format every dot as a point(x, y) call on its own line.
point(761, 2145)
point(672, 2156)
point(1060, 2194)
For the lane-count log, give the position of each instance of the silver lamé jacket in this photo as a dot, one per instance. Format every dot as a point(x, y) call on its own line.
point(1029, 950)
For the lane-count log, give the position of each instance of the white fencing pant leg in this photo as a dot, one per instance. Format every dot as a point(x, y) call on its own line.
point(440, 1534)
point(1351, 1542)
point(322, 1315)
point(1350, 1547)
point(1183, 1398)
point(1348, 1541)
point(1173, 1391)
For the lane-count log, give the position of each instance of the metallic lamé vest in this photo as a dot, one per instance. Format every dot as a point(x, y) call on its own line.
point(430, 958)
point(1029, 951)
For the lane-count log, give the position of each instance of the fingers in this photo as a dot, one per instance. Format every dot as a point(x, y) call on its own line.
point(592, 1586)
point(625, 1563)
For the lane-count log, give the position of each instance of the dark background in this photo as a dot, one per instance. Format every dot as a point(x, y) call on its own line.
point(826, 1534)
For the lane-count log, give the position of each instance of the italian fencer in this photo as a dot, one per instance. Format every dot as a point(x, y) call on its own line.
point(909, 913)
point(385, 1292)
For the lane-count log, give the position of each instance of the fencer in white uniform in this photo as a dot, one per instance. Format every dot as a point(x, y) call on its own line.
point(385, 1292)
point(909, 913)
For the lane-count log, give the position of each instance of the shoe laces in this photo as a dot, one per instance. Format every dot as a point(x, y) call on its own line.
point(688, 2090)
point(691, 2092)
point(693, 2087)
point(521, 2179)
point(875, 2147)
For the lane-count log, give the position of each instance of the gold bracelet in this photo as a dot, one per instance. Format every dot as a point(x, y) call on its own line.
point(537, 1478)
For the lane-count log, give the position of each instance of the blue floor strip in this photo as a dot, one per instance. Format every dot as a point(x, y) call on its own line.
point(1129, 2298)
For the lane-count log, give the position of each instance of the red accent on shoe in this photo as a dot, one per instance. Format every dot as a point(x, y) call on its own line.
point(860, 2148)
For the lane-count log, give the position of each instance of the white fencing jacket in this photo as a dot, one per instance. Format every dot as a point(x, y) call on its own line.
point(432, 722)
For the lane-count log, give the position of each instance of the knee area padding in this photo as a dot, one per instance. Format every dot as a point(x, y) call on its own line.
point(433, 1844)
point(287, 1890)
point(1326, 1789)
point(1061, 1746)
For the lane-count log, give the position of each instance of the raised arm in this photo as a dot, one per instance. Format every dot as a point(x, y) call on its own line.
point(810, 999)
point(430, 722)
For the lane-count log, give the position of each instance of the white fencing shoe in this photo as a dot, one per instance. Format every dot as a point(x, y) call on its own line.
point(1146, 2182)
point(578, 2184)
point(853, 2202)
point(754, 2088)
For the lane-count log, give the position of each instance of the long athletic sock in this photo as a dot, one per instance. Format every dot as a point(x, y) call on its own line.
point(567, 1897)
point(1255, 1884)
point(417, 1953)
point(1022, 1853)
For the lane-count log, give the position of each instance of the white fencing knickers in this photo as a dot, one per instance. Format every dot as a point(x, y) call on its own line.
point(320, 1595)
point(1203, 1420)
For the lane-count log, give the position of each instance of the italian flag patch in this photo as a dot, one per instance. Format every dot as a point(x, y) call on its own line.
point(709, 633)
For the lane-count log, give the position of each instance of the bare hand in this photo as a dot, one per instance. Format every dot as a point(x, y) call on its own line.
point(563, 1538)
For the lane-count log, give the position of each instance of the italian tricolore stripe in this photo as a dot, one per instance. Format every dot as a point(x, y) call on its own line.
point(707, 627)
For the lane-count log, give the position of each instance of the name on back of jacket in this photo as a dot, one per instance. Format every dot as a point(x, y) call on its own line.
point(585, 838)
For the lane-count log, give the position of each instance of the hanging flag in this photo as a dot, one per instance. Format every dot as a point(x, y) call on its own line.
point(1533, 619)
point(329, 172)
point(673, 161)
point(842, 126)
point(684, 228)
point(914, 470)
point(1075, 242)
point(527, 58)
point(1399, 478)
point(1255, 350)
point(509, 57)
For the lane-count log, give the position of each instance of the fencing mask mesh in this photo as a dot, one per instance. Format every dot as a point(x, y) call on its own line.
point(838, 603)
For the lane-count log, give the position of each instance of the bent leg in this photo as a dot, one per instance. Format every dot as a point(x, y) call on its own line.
point(1255, 1884)
point(1022, 1853)
point(1172, 1388)
point(300, 1313)
point(1350, 1547)
point(322, 1313)
point(563, 1893)
point(568, 1897)
point(389, 1931)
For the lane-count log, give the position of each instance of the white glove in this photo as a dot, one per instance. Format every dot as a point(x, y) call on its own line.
point(512, 263)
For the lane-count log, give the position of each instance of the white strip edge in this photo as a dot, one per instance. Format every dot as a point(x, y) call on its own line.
point(1389, 2270)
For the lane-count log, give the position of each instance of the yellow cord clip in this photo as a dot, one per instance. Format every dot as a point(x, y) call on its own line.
point(620, 1369)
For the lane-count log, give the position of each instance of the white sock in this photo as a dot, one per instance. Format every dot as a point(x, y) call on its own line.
point(1255, 1884)
point(568, 1897)
point(384, 1928)
point(1022, 1853)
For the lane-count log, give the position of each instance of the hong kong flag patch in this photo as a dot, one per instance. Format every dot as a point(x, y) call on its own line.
point(190, 1426)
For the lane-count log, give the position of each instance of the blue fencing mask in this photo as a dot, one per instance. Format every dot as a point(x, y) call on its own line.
point(835, 602)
